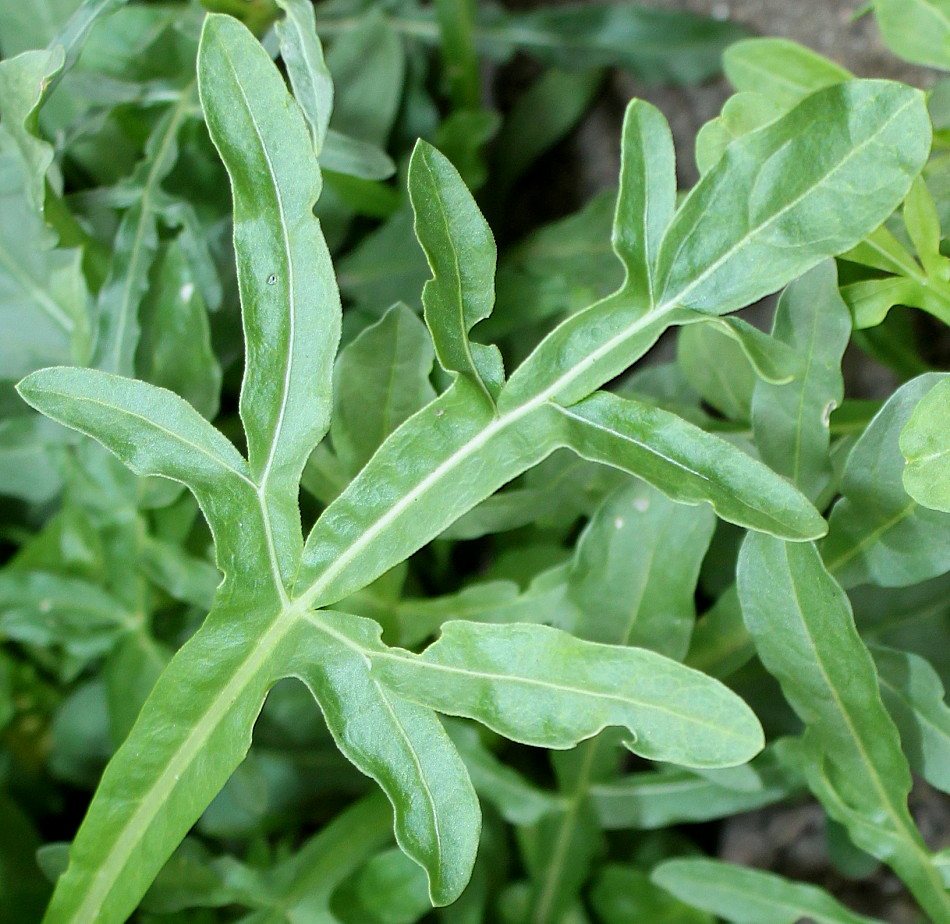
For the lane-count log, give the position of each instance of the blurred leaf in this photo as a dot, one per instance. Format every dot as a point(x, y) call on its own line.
point(924, 445)
point(877, 532)
point(750, 896)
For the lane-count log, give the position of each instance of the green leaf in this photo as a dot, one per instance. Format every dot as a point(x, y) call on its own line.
point(869, 128)
point(136, 244)
point(462, 289)
point(543, 687)
point(518, 801)
point(876, 532)
point(291, 303)
point(649, 800)
point(923, 227)
point(924, 444)
point(355, 158)
point(460, 63)
point(805, 635)
point(717, 368)
point(687, 464)
point(45, 317)
point(309, 76)
point(382, 379)
point(914, 695)
point(634, 571)
point(647, 196)
point(49, 609)
point(622, 895)
point(741, 114)
point(738, 236)
point(791, 421)
point(657, 44)
point(194, 744)
point(540, 117)
point(175, 351)
point(155, 432)
point(401, 745)
point(750, 896)
point(917, 30)
point(428, 473)
point(23, 83)
point(779, 69)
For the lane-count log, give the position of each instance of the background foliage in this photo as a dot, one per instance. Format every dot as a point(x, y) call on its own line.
point(566, 630)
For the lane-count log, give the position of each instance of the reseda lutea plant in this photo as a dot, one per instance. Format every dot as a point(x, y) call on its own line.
point(811, 184)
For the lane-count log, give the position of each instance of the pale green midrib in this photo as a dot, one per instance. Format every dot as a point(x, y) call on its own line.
point(153, 178)
point(292, 610)
point(510, 417)
point(909, 835)
point(43, 299)
point(291, 290)
point(420, 773)
point(150, 805)
point(389, 655)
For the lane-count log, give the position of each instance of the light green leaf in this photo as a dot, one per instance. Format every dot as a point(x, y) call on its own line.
point(647, 196)
point(155, 432)
point(805, 635)
point(461, 252)
point(917, 30)
point(309, 76)
point(195, 743)
point(401, 745)
point(635, 567)
point(741, 114)
point(791, 421)
point(926, 447)
point(382, 379)
point(871, 299)
point(779, 69)
point(291, 306)
point(687, 464)
point(923, 228)
point(738, 236)
point(869, 128)
point(434, 464)
point(355, 158)
point(914, 695)
point(750, 896)
point(543, 687)
point(368, 64)
point(876, 532)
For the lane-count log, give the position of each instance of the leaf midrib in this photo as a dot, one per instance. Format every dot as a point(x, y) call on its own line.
point(291, 313)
